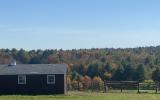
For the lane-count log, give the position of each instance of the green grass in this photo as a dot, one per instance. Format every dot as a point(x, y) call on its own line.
point(85, 96)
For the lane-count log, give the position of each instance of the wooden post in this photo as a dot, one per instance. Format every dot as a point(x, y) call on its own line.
point(121, 87)
point(156, 90)
point(156, 87)
point(138, 88)
point(121, 90)
point(78, 86)
point(105, 85)
point(106, 88)
point(78, 79)
point(65, 84)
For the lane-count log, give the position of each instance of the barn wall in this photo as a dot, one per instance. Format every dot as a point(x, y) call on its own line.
point(35, 84)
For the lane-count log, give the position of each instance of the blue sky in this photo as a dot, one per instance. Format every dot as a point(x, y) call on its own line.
point(69, 24)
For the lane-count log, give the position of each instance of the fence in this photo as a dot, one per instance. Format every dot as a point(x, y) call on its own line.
point(78, 86)
point(113, 86)
point(120, 86)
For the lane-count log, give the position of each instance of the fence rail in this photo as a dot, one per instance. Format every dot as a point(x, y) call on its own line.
point(132, 85)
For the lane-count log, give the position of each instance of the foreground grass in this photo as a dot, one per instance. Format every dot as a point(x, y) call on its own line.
point(85, 96)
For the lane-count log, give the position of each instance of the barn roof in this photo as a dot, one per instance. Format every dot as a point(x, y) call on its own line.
point(33, 69)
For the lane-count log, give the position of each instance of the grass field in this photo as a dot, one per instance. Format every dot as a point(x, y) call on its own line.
point(85, 96)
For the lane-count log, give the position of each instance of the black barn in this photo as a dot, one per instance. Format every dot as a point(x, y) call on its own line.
point(33, 79)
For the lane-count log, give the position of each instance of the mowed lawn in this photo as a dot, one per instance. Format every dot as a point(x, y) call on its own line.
point(85, 96)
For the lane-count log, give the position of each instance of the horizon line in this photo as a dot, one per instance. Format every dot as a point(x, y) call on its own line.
point(82, 48)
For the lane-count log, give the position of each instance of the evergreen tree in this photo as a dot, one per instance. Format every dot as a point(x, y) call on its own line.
point(140, 73)
point(108, 67)
point(93, 70)
point(156, 74)
point(119, 74)
point(129, 72)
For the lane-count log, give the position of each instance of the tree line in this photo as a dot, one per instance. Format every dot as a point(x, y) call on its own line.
point(90, 66)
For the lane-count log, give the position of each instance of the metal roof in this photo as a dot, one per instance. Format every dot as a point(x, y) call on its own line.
point(33, 69)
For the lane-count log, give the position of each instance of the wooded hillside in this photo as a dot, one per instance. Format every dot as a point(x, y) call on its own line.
point(95, 65)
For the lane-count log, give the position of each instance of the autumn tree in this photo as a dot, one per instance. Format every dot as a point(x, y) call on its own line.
point(86, 81)
point(97, 83)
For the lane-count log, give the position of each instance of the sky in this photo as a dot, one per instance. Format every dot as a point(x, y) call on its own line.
point(75, 24)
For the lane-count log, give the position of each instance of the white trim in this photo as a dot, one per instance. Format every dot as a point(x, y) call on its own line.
point(48, 79)
point(23, 76)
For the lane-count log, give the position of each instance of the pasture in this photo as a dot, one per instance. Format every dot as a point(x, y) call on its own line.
point(85, 96)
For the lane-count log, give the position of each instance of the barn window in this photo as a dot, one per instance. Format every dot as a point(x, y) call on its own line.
point(50, 79)
point(21, 79)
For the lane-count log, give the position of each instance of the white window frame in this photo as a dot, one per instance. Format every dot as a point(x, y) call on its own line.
point(23, 76)
point(48, 82)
